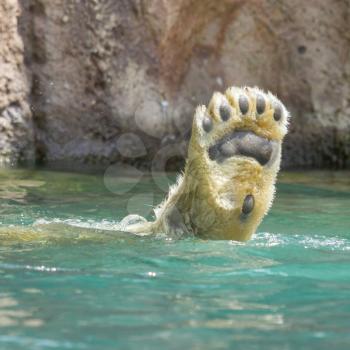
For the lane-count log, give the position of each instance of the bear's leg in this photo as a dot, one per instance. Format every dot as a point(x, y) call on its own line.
point(233, 160)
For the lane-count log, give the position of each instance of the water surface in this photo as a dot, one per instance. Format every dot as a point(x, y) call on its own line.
point(80, 284)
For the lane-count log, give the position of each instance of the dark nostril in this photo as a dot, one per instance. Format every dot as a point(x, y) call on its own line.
point(248, 204)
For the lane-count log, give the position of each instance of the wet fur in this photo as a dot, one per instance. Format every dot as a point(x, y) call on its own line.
point(207, 199)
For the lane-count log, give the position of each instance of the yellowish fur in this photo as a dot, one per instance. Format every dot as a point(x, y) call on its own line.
point(207, 199)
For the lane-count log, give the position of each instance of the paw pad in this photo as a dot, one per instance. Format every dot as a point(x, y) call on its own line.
point(260, 104)
point(243, 103)
point(277, 115)
point(207, 124)
point(248, 204)
point(224, 112)
point(244, 123)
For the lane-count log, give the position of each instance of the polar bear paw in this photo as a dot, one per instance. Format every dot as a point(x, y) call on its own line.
point(234, 157)
point(243, 123)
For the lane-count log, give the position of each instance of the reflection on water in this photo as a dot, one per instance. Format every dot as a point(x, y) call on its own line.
point(11, 316)
point(70, 280)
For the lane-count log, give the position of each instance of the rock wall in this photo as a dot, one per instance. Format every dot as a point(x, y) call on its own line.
point(16, 129)
point(119, 80)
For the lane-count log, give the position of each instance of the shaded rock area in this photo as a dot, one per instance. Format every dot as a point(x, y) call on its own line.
point(16, 129)
point(119, 80)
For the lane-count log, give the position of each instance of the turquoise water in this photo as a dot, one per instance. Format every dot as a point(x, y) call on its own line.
point(69, 280)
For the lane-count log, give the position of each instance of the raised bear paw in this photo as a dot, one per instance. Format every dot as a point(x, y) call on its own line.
point(233, 159)
point(242, 123)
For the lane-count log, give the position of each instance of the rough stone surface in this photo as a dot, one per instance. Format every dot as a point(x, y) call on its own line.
point(16, 130)
point(101, 69)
